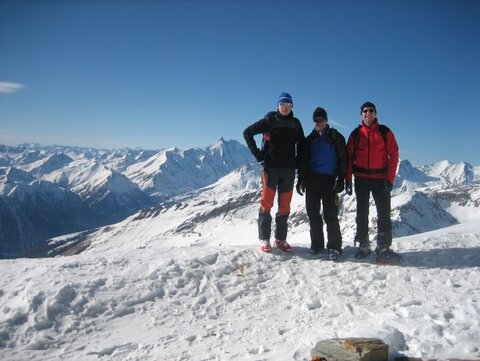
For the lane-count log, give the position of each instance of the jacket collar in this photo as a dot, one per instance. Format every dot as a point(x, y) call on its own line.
point(317, 134)
point(374, 125)
point(280, 116)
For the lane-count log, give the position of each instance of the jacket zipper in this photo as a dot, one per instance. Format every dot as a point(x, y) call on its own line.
point(368, 149)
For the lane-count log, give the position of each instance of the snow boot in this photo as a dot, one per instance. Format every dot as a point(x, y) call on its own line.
point(333, 255)
point(387, 256)
point(265, 245)
point(283, 245)
point(364, 250)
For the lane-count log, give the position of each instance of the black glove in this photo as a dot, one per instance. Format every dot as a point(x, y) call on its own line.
point(339, 186)
point(348, 188)
point(388, 187)
point(301, 187)
point(260, 156)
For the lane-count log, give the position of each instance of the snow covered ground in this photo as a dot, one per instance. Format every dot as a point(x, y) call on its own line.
point(213, 300)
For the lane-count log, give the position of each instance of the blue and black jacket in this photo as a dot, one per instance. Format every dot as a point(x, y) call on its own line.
point(325, 153)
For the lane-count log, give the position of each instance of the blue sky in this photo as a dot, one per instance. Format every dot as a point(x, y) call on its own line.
point(157, 74)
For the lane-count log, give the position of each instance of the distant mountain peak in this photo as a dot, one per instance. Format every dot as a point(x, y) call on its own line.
point(451, 173)
point(54, 162)
point(15, 175)
point(407, 172)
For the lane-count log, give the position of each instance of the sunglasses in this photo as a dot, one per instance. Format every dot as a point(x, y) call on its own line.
point(319, 120)
point(286, 105)
point(368, 111)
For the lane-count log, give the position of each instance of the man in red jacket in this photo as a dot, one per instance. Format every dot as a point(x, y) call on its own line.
point(373, 159)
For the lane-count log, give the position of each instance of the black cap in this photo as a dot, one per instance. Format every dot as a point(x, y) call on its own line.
point(320, 113)
point(369, 105)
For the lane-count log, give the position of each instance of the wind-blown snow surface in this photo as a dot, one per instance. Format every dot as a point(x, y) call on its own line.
point(202, 301)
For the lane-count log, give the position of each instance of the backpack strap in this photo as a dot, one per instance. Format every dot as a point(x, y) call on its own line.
point(383, 131)
point(334, 135)
point(341, 152)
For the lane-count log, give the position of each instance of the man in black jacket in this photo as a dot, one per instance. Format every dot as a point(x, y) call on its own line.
point(322, 175)
point(283, 141)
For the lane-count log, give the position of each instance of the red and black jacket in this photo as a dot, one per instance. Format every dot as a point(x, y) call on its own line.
point(371, 155)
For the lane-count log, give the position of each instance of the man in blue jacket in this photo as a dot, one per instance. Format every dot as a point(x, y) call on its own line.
point(322, 176)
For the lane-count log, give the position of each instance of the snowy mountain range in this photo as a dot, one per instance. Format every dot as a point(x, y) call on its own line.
point(54, 190)
point(46, 192)
point(420, 203)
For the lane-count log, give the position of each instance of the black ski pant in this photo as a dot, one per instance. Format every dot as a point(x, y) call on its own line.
point(320, 191)
point(381, 197)
point(273, 179)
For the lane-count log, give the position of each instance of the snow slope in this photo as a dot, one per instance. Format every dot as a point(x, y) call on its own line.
point(201, 301)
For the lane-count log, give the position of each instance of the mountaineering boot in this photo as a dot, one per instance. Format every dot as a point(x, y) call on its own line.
point(364, 250)
point(333, 255)
point(283, 245)
point(265, 245)
point(387, 256)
